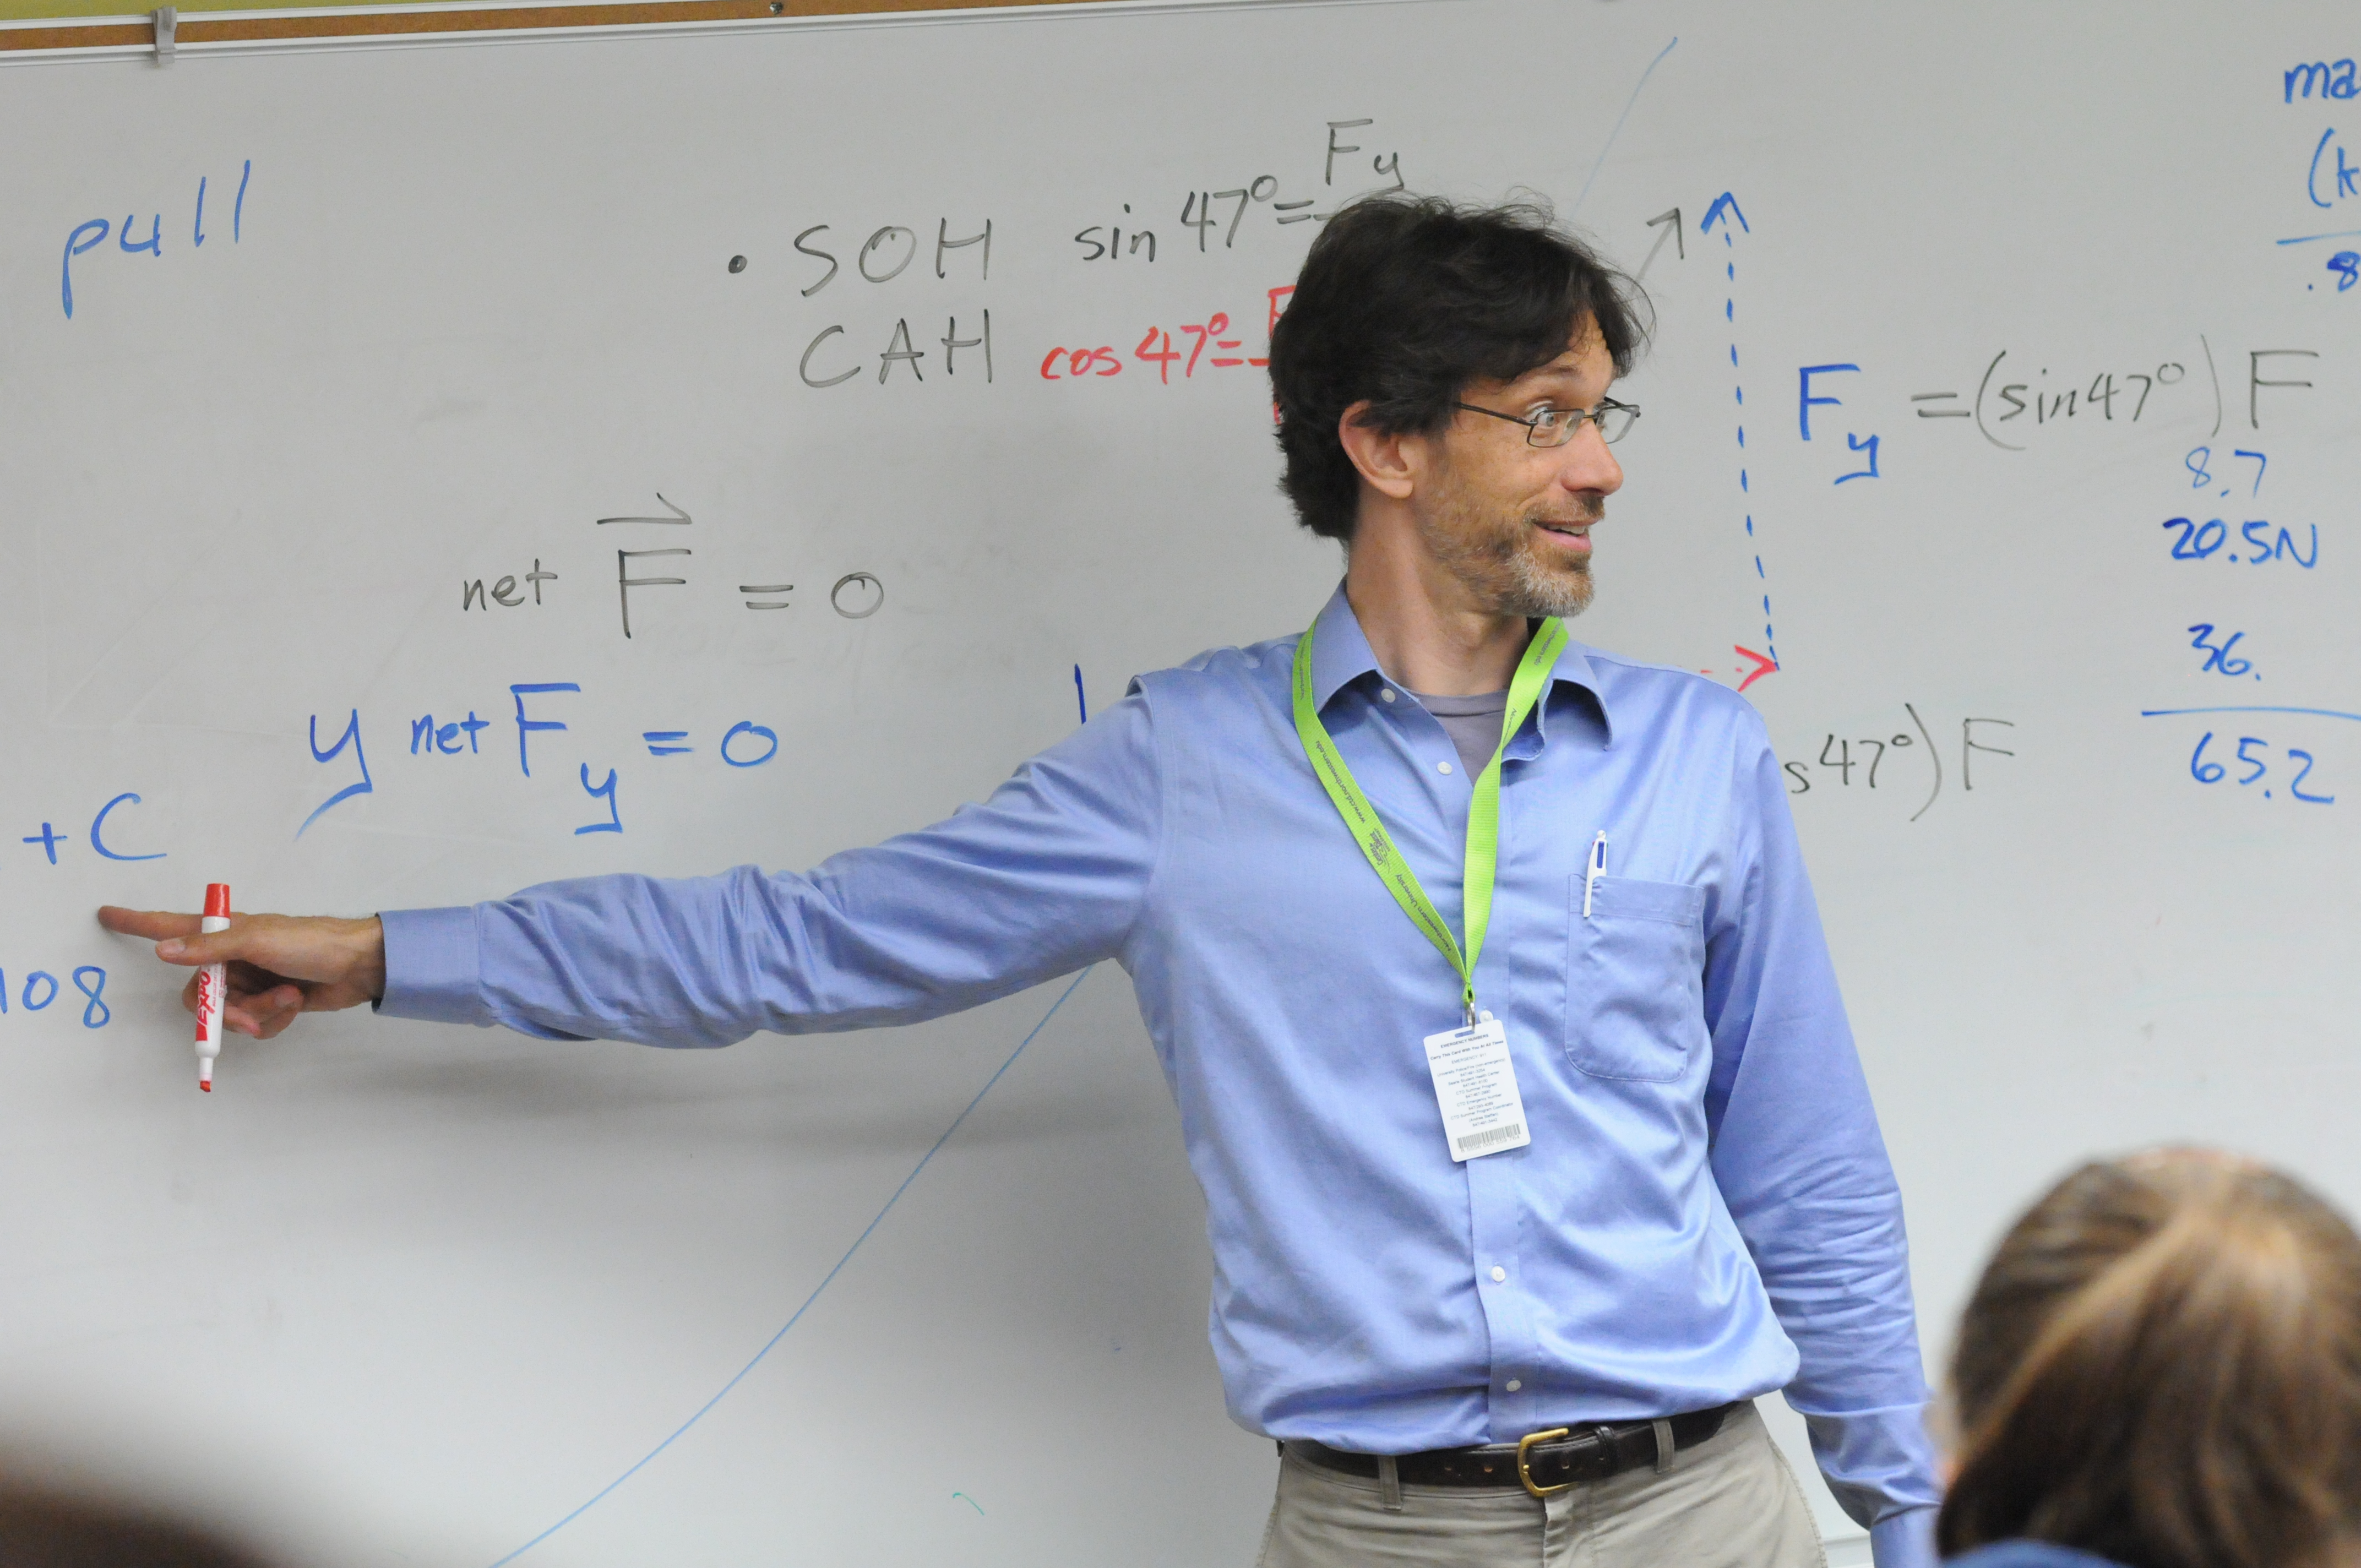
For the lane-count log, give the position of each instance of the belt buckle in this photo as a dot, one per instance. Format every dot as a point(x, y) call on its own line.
point(1524, 1459)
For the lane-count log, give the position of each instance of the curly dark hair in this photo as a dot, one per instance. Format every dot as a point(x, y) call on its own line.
point(1405, 300)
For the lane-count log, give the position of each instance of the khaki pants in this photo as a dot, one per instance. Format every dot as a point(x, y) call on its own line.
point(1729, 1502)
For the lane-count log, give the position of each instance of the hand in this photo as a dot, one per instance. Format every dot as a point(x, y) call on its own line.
point(278, 965)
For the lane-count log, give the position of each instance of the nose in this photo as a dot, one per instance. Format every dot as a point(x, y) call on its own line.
point(1587, 464)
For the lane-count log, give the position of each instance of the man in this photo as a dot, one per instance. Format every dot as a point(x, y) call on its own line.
point(1533, 1141)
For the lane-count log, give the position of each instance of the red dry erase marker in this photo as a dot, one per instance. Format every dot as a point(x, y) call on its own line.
point(210, 982)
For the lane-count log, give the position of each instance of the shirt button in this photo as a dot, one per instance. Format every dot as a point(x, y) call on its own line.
point(1442, 767)
point(1499, 1274)
point(1385, 694)
point(1515, 1383)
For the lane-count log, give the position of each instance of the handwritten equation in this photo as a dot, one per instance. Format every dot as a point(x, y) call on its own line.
point(533, 711)
point(1213, 217)
point(1907, 755)
point(854, 595)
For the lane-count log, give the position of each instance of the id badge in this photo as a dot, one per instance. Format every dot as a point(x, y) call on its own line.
point(1476, 1085)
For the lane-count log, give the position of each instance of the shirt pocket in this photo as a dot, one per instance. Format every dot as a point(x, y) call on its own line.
point(1635, 979)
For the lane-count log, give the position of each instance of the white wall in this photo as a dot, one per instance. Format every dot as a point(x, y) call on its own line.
point(404, 1294)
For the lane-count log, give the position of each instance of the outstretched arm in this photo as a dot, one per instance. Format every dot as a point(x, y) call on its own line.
point(1048, 875)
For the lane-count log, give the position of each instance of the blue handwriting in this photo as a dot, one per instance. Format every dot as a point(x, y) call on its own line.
point(429, 737)
point(41, 989)
point(2252, 758)
point(2202, 541)
point(2219, 659)
point(49, 841)
point(606, 792)
point(351, 737)
point(2345, 176)
point(2331, 81)
point(744, 744)
point(91, 233)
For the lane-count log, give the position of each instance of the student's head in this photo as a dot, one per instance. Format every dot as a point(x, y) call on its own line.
point(46, 1528)
point(2162, 1366)
point(1408, 307)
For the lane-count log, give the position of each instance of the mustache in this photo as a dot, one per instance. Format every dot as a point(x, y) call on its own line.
point(1589, 509)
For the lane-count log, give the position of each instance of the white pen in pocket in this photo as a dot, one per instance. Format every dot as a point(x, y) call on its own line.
point(1597, 869)
point(212, 981)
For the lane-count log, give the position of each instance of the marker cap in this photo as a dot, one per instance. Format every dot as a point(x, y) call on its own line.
point(217, 899)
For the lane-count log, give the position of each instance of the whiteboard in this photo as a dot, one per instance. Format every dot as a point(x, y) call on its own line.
point(399, 1294)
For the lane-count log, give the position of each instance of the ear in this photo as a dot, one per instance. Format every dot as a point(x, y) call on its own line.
point(1391, 465)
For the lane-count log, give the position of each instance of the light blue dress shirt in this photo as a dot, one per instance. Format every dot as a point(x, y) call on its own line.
point(1706, 1211)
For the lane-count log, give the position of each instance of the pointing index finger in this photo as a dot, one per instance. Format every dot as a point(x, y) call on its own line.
point(156, 925)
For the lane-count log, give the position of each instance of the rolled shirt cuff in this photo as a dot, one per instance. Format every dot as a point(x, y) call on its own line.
point(433, 966)
point(1904, 1540)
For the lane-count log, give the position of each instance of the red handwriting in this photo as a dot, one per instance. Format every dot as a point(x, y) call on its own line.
point(1079, 363)
point(1157, 348)
point(1764, 664)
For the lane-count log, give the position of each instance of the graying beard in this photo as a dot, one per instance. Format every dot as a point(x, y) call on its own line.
point(1535, 595)
point(1530, 593)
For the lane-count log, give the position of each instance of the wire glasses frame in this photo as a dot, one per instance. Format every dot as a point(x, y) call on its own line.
point(1555, 427)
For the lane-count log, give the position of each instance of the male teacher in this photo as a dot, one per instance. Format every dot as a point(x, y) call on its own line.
point(1482, 964)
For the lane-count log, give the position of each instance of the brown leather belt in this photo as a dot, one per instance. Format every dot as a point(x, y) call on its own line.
point(1544, 1461)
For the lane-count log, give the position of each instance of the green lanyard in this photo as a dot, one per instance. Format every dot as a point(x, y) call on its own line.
point(1483, 816)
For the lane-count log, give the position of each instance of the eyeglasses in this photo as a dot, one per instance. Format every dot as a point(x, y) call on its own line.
point(1555, 427)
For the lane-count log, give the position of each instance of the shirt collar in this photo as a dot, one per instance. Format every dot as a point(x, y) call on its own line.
point(1341, 655)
